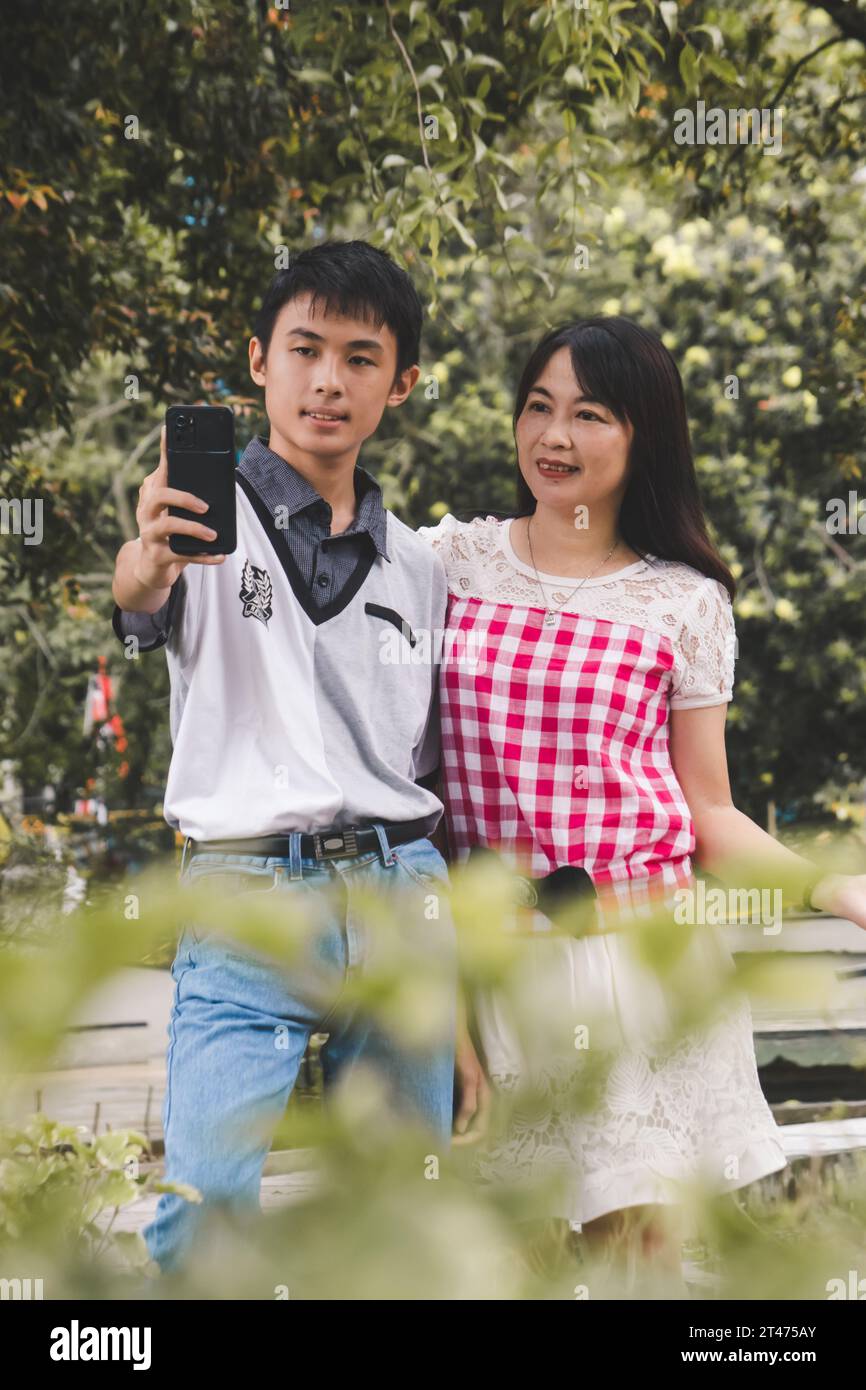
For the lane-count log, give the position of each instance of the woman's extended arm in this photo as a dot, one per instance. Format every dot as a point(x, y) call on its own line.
point(729, 844)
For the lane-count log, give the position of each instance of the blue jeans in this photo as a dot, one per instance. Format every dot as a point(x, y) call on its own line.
point(227, 1081)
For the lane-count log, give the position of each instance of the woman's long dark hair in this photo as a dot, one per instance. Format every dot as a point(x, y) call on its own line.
point(629, 370)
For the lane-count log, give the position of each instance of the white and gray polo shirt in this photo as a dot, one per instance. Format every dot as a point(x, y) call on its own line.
point(286, 715)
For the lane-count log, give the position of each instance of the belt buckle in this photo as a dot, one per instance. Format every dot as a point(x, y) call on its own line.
point(525, 892)
point(335, 844)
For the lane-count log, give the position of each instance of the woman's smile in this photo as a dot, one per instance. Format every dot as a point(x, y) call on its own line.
point(550, 468)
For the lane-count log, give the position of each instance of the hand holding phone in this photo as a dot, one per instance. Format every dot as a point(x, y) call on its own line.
point(159, 565)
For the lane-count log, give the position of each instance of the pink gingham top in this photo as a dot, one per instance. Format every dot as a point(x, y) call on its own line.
point(555, 739)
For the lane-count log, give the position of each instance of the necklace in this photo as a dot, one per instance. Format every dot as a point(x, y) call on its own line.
point(550, 613)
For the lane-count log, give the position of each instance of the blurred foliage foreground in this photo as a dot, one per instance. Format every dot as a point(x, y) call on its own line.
point(395, 1212)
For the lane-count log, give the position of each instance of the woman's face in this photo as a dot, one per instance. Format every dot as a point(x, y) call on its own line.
point(558, 425)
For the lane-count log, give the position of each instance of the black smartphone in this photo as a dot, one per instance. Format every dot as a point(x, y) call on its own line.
point(200, 443)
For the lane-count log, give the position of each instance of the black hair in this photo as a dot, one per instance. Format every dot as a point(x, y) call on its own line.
point(629, 370)
point(355, 279)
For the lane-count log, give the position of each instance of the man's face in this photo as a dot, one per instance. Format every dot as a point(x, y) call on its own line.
point(326, 366)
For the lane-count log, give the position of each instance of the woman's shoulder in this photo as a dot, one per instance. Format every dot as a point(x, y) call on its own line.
point(676, 578)
point(460, 540)
point(673, 599)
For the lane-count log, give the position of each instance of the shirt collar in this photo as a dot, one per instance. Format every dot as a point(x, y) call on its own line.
point(279, 484)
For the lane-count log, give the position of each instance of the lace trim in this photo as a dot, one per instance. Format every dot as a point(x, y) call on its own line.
point(695, 1108)
point(666, 597)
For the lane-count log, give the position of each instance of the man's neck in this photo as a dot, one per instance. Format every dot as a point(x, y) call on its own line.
point(333, 479)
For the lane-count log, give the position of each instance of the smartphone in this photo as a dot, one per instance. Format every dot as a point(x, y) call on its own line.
point(200, 443)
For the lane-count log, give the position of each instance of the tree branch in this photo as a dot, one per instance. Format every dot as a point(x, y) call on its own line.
point(847, 17)
point(801, 63)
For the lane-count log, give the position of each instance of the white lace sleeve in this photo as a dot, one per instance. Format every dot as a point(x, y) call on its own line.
point(704, 650)
point(441, 535)
point(469, 551)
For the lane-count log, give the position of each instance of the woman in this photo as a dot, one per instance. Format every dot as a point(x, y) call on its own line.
point(588, 729)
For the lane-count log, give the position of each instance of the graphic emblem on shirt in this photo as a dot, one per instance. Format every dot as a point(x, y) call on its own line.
point(256, 592)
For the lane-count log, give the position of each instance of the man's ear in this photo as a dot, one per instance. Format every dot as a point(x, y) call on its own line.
point(403, 385)
point(256, 362)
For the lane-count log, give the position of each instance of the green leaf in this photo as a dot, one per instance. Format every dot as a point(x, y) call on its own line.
point(484, 60)
point(112, 1148)
point(688, 66)
point(314, 75)
point(348, 146)
point(114, 1192)
point(500, 196)
point(545, 278)
point(464, 235)
point(445, 117)
point(632, 89)
point(181, 1189)
point(513, 235)
point(640, 32)
point(599, 179)
point(723, 68)
point(602, 57)
point(635, 56)
point(563, 29)
point(714, 32)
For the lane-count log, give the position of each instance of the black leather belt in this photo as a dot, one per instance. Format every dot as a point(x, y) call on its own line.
point(323, 844)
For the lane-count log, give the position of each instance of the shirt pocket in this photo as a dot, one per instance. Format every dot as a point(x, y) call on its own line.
point(390, 615)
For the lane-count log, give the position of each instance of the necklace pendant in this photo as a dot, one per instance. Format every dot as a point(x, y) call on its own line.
point(550, 618)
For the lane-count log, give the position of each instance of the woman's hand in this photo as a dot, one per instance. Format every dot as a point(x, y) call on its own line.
point(476, 1096)
point(842, 895)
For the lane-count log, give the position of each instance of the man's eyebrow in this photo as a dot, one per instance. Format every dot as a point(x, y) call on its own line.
point(372, 344)
point(578, 400)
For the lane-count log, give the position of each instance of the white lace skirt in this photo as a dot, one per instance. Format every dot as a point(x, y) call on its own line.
point(667, 1110)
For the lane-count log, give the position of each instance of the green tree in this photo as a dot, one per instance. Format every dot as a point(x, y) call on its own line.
point(260, 129)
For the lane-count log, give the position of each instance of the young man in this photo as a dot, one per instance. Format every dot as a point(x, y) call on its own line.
point(300, 758)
